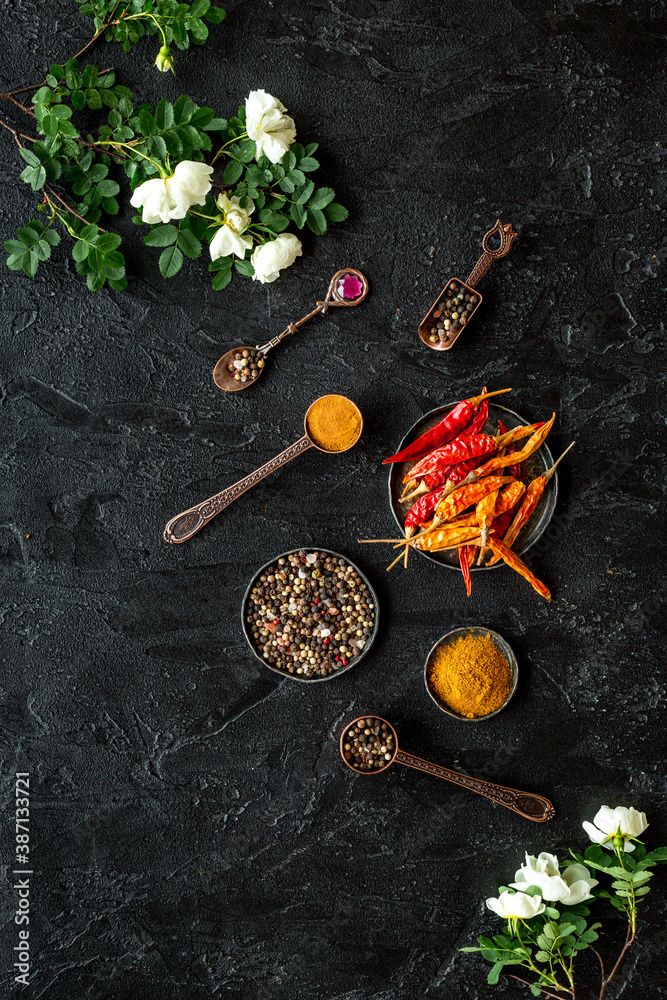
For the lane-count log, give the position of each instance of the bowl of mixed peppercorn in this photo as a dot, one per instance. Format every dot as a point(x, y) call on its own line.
point(310, 614)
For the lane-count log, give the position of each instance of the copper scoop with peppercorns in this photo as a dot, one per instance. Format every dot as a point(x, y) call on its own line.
point(369, 745)
point(459, 300)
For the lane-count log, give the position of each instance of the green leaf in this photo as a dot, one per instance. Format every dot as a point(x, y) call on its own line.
point(164, 115)
point(30, 234)
point(308, 163)
point(321, 198)
point(34, 176)
point(566, 929)
point(93, 99)
point(78, 100)
point(162, 236)
point(233, 171)
point(189, 244)
point(659, 855)
point(288, 161)
point(244, 267)
point(247, 151)
point(305, 192)
point(171, 261)
point(215, 125)
point(317, 222)
point(221, 279)
point(30, 263)
point(542, 956)
point(494, 974)
point(589, 936)
point(14, 246)
point(61, 112)
point(214, 15)
point(298, 215)
point(183, 110)
point(147, 123)
point(287, 184)
point(108, 188)
point(335, 212)
point(29, 156)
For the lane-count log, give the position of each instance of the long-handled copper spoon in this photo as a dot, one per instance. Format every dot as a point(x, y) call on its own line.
point(182, 527)
point(526, 804)
point(233, 371)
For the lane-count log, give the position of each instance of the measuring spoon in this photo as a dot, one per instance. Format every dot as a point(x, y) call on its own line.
point(189, 522)
point(526, 804)
point(347, 288)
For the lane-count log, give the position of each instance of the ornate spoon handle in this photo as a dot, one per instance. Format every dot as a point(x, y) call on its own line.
point(333, 298)
point(507, 237)
point(189, 522)
point(526, 804)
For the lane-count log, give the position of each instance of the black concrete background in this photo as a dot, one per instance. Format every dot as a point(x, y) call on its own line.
point(194, 831)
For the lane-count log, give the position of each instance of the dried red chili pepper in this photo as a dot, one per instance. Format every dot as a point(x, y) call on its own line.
point(529, 503)
point(534, 442)
point(466, 556)
point(463, 448)
point(451, 425)
point(467, 495)
point(511, 558)
point(501, 442)
point(421, 511)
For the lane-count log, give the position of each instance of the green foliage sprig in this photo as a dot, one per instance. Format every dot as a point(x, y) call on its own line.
point(545, 935)
point(78, 172)
point(128, 21)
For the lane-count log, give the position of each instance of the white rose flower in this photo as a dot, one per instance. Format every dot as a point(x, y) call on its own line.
point(622, 821)
point(273, 131)
point(516, 905)
point(572, 887)
point(229, 239)
point(165, 198)
point(270, 258)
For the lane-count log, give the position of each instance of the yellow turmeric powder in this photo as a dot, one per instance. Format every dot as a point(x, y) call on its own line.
point(470, 676)
point(333, 423)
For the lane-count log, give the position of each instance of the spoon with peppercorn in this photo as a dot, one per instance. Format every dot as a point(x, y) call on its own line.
point(242, 366)
point(459, 300)
point(369, 745)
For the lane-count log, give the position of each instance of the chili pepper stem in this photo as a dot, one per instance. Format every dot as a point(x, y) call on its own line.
point(396, 560)
point(549, 473)
point(421, 489)
point(476, 400)
point(483, 547)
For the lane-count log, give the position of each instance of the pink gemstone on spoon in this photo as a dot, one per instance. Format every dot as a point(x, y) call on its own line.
point(349, 287)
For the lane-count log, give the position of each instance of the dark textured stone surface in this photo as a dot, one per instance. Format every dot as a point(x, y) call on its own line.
point(194, 832)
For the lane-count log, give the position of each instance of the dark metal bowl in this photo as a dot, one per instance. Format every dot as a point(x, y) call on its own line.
point(353, 662)
point(536, 465)
point(499, 643)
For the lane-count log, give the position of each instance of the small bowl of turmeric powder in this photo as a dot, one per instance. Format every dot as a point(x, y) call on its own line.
point(471, 673)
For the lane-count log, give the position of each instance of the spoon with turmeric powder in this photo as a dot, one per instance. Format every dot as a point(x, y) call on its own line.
point(332, 424)
point(369, 745)
point(242, 366)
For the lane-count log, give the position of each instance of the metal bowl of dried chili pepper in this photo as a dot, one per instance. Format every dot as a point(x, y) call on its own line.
point(471, 673)
point(493, 420)
point(310, 615)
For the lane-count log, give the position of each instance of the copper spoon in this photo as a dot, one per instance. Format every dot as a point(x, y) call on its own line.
point(182, 527)
point(427, 325)
point(347, 288)
point(526, 804)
